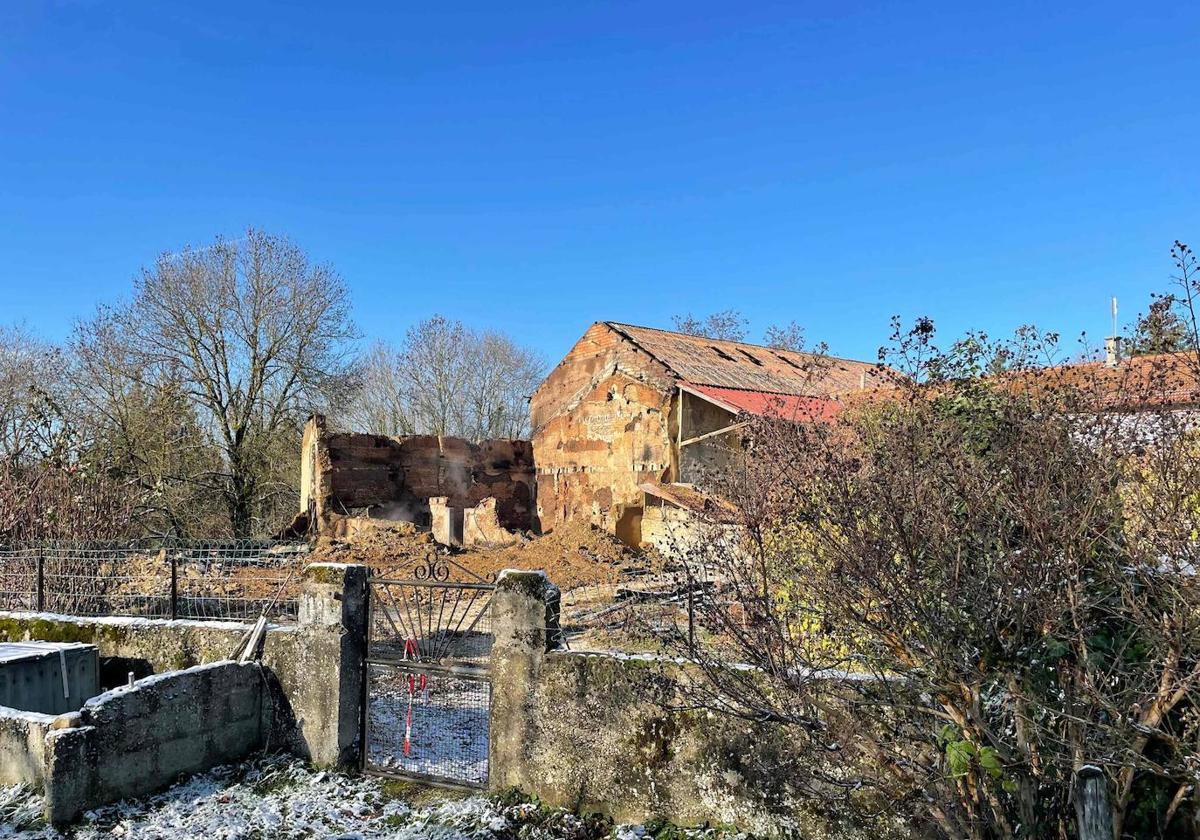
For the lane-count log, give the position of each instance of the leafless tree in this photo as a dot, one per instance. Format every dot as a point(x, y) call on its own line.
point(496, 398)
point(728, 325)
point(31, 388)
point(446, 379)
point(786, 337)
point(253, 335)
point(380, 406)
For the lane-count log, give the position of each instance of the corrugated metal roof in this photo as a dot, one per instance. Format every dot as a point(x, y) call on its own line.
point(750, 367)
point(764, 404)
point(689, 498)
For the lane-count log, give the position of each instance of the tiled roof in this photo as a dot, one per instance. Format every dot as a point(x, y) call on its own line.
point(749, 367)
point(764, 404)
point(1156, 379)
point(1140, 382)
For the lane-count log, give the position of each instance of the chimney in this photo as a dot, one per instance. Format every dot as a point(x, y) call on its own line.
point(1112, 351)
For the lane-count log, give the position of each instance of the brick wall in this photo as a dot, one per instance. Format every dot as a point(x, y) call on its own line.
point(394, 478)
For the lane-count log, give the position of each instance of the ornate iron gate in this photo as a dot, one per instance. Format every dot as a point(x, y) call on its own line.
point(427, 688)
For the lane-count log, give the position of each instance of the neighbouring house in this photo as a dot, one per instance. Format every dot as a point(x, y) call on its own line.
point(632, 419)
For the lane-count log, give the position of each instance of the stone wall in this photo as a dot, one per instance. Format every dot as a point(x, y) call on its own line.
point(603, 423)
point(346, 473)
point(139, 738)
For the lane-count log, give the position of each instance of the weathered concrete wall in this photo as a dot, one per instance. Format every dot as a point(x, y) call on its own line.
point(314, 669)
point(23, 746)
point(602, 732)
point(343, 473)
point(137, 739)
point(603, 423)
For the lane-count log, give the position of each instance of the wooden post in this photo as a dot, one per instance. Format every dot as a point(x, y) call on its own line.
point(1092, 812)
point(41, 582)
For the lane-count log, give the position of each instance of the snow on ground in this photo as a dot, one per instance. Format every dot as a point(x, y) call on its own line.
point(449, 724)
point(280, 798)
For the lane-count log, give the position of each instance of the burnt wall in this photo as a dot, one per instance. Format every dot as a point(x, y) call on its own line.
point(394, 477)
point(602, 425)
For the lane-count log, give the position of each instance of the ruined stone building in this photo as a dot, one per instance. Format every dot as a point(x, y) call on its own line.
point(633, 417)
point(349, 474)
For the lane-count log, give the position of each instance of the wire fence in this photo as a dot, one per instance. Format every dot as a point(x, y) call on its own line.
point(214, 580)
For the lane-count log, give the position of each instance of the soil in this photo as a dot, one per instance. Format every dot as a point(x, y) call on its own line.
point(575, 555)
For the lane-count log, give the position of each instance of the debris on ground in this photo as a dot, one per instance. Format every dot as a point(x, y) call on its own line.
point(573, 555)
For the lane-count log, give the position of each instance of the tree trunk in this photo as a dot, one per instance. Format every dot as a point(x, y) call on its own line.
point(1092, 811)
point(240, 501)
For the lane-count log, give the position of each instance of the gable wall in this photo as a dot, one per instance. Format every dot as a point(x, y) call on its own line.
point(602, 425)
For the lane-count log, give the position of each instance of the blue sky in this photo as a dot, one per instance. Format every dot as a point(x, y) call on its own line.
point(538, 166)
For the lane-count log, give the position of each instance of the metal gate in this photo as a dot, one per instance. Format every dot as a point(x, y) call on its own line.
point(427, 690)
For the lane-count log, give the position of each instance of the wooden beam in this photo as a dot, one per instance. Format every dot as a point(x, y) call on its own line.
point(707, 435)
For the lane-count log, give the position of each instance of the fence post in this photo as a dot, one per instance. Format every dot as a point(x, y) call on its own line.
point(174, 582)
point(41, 582)
point(1093, 815)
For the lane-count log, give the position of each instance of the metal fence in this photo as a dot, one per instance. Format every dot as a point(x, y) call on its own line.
point(232, 580)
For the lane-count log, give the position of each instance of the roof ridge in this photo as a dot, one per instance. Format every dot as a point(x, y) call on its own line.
point(617, 325)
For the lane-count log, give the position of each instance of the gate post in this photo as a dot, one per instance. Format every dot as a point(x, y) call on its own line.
point(332, 657)
point(525, 608)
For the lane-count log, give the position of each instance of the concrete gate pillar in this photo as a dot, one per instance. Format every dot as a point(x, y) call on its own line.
point(525, 611)
point(330, 663)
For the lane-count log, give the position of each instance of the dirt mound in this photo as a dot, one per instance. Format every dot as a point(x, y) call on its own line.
point(573, 555)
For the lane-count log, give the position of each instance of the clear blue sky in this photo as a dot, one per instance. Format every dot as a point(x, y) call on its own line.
point(539, 166)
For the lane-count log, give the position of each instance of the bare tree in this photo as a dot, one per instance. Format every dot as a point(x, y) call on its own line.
point(446, 379)
point(728, 325)
point(435, 368)
point(253, 334)
point(786, 337)
point(31, 387)
point(381, 405)
point(496, 398)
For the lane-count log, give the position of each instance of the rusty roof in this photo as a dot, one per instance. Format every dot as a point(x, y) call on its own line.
point(749, 367)
point(766, 404)
point(689, 498)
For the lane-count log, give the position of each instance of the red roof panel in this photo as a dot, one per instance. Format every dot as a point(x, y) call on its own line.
point(767, 404)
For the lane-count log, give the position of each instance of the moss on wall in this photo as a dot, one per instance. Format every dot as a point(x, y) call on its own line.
point(605, 733)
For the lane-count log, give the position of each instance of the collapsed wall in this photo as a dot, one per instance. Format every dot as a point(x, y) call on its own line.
point(352, 474)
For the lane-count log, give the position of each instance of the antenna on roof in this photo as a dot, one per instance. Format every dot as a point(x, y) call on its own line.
point(1112, 344)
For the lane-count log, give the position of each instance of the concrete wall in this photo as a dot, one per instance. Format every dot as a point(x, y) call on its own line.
point(137, 739)
point(23, 746)
point(603, 423)
point(50, 677)
point(607, 733)
point(394, 478)
point(314, 669)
